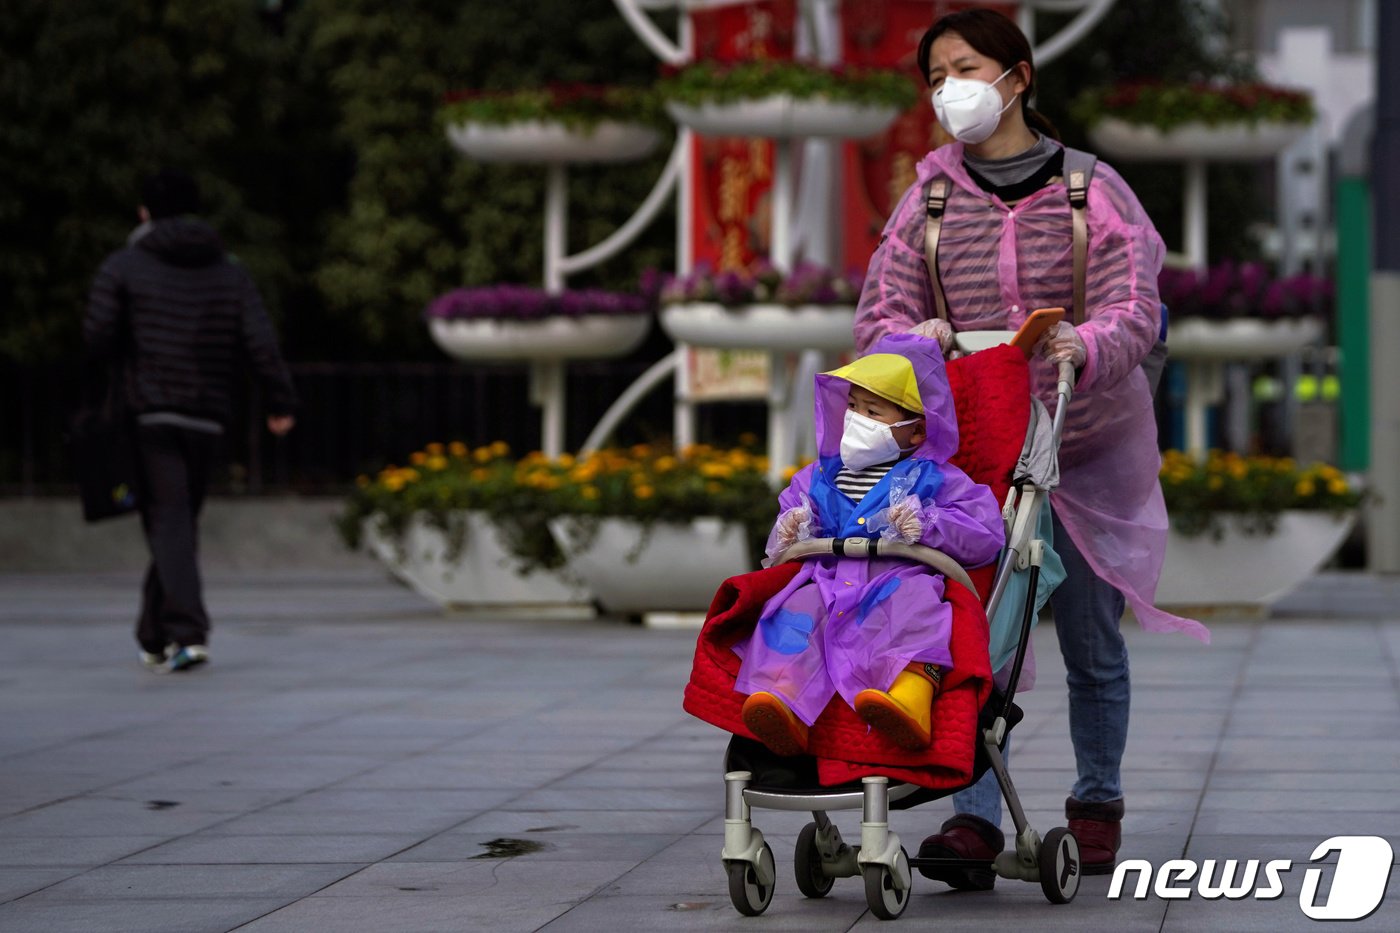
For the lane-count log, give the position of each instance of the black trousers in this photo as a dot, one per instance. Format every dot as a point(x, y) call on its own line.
point(175, 466)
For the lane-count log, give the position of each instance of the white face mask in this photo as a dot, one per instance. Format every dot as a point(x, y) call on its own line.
point(866, 442)
point(969, 108)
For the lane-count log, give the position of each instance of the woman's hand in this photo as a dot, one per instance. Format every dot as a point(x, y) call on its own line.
point(939, 330)
point(1062, 344)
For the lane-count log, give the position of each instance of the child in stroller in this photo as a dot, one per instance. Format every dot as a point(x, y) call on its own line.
point(875, 632)
point(1009, 443)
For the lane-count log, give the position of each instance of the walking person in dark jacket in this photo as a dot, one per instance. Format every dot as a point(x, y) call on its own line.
point(183, 320)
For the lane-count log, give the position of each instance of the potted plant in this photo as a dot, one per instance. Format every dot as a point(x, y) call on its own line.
point(782, 99)
point(1192, 120)
point(434, 524)
point(555, 124)
point(1240, 311)
point(1245, 530)
point(518, 322)
point(809, 308)
point(651, 529)
point(641, 528)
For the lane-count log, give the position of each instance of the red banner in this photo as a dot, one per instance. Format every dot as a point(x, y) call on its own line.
point(731, 186)
point(733, 177)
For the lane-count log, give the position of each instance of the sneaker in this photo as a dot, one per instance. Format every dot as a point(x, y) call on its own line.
point(1098, 828)
point(156, 663)
point(963, 837)
point(187, 658)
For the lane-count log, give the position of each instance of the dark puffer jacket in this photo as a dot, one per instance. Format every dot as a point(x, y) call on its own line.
point(184, 318)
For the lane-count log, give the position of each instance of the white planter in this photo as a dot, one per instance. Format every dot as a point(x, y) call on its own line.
point(675, 567)
point(481, 577)
point(553, 143)
point(552, 338)
point(1231, 142)
point(782, 116)
point(1242, 569)
point(761, 327)
point(1240, 338)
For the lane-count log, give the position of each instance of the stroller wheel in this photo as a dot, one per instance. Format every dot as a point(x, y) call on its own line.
point(807, 865)
point(750, 896)
point(885, 900)
point(1059, 865)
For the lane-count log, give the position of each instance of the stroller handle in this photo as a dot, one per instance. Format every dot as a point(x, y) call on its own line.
point(1065, 388)
point(878, 547)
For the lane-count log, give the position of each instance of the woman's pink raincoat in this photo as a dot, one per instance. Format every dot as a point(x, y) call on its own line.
point(997, 265)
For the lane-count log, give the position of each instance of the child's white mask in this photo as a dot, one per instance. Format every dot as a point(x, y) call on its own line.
point(969, 108)
point(866, 442)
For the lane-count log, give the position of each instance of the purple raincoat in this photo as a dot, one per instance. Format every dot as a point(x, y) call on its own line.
point(998, 264)
point(843, 625)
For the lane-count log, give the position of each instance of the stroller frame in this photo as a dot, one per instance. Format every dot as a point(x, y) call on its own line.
point(821, 856)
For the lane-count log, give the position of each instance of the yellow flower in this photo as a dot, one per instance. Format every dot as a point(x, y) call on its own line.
point(589, 492)
point(664, 464)
point(437, 462)
point(748, 439)
point(644, 492)
point(393, 482)
point(1305, 488)
point(457, 449)
point(434, 449)
point(500, 448)
point(565, 460)
point(480, 475)
point(362, 481)
point(417, 458)
point(713, 487)
point(716, 470)
point(483, 455)
point(1338, 486)
point(1215, 482)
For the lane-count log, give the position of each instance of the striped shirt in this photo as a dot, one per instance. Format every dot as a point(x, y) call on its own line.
point(856, 483)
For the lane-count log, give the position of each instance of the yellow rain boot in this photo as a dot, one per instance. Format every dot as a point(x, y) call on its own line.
point(774, 723)
point(904, 713)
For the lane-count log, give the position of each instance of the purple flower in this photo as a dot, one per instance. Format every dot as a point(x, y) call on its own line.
point(1244, 290)
point(523, 303)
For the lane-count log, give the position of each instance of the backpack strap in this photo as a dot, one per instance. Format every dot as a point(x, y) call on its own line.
point(933, 225)
point(1079, 171)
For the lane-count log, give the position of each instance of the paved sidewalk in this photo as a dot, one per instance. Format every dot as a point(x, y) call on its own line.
point(355, 761)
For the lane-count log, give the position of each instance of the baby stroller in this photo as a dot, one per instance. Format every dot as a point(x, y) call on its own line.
point(1008, 442)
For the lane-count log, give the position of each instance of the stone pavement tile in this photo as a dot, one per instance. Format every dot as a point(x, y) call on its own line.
point(487, 769)
point(508, 822)
point(556, 844)
point(254, 772)
point(790, 912)
point(416, 912)
point(1295, 848)
point(1209, 697)
point(1353, 724)
point(1270, 754)
point(1249, 915)
point(1303, 779)
point(621, 800)
point(607, 776)
point(524, 877)
point(200, 882)
point(208, 915)
point(17, 882)
point(288, 820)
point(1318, 824)
point(74, 851)
point(106, 816)
point(1284, 802)
point(458, 803)
point(1283, 701)
point(324, 848)
point(1022, 905)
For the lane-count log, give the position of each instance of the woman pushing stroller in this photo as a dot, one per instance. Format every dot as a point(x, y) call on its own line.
point(876, 631)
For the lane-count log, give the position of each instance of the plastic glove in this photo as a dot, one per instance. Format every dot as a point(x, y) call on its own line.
point(902, 521)
point(1062, 344)
point(792, 526)
point(939, 330)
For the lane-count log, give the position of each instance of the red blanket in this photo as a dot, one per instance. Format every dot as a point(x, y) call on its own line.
point(991, 391)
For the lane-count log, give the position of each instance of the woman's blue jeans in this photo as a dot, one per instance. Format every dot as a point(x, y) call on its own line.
point(1087, 613)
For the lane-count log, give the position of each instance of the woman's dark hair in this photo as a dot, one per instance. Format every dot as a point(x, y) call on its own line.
point(170, 192)
point(994, 35)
